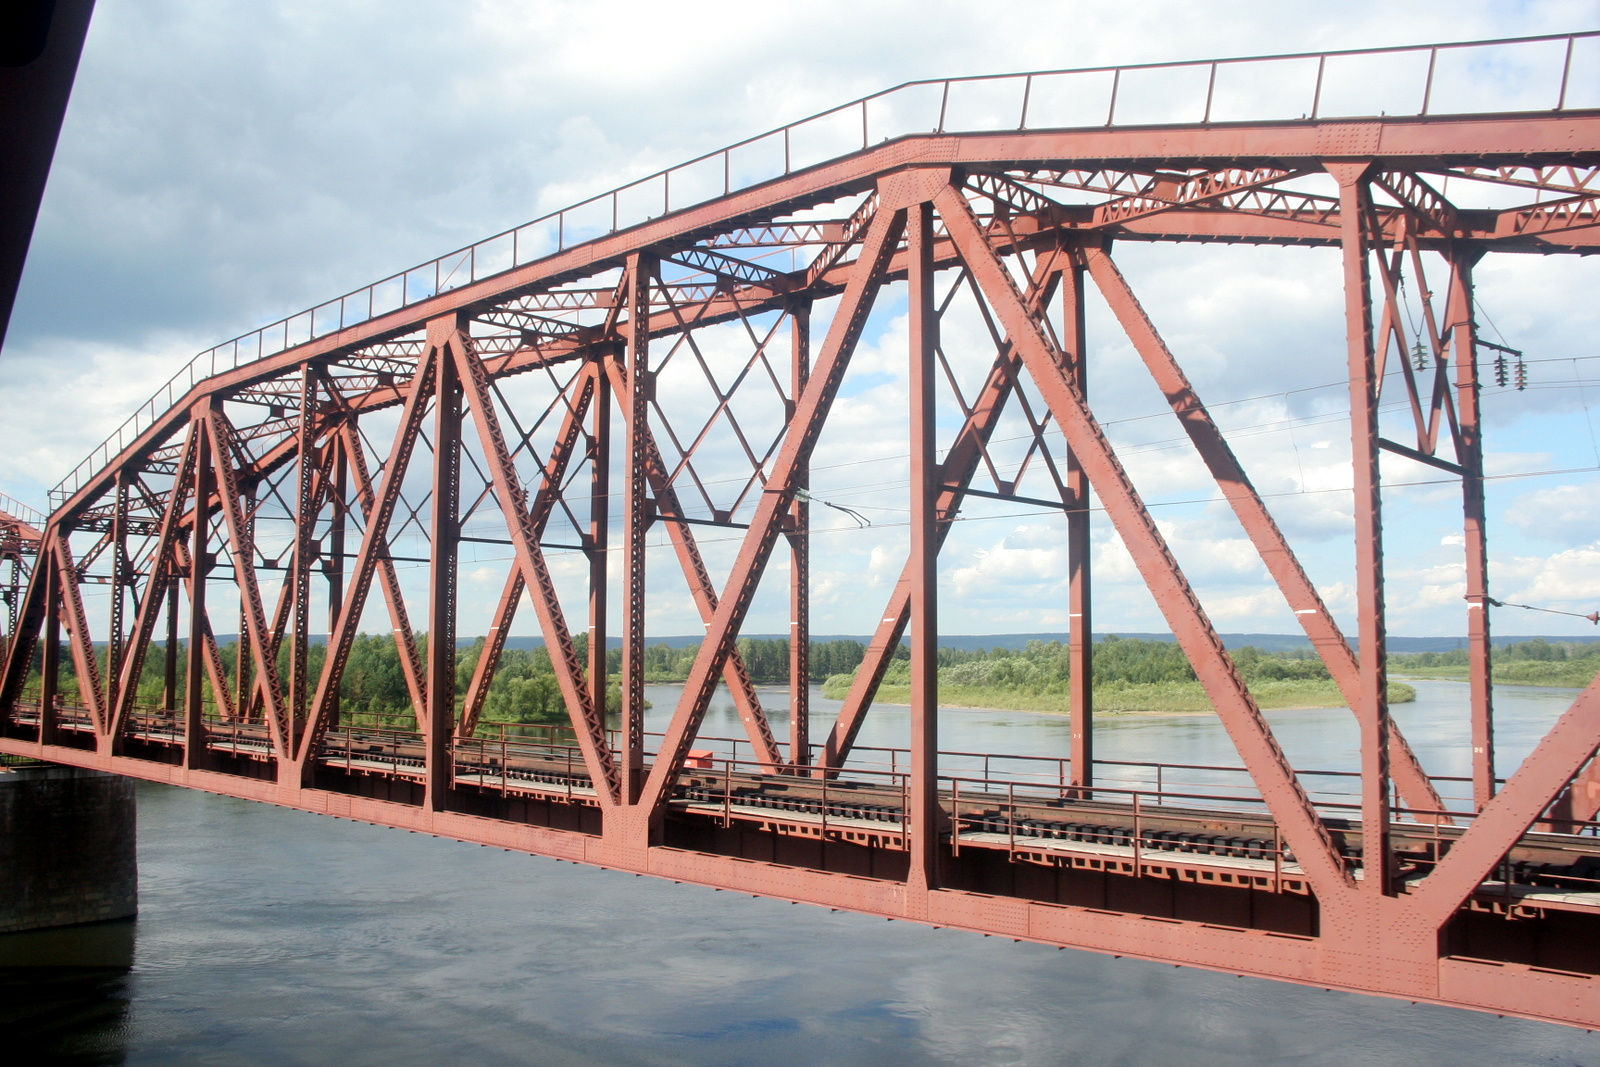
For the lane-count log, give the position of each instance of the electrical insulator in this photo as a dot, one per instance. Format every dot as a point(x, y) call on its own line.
point(1521, 375)
point(1419, 356)
point(1500, 376)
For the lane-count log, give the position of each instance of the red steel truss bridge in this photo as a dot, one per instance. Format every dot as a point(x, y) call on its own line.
point(656, 366)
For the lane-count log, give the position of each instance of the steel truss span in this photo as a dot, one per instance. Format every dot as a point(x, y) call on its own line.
point(653, 388)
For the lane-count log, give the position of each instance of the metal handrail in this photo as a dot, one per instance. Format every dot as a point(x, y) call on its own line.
point(653, 196)
point(18, 510)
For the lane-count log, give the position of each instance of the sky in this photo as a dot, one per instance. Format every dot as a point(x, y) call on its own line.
point(224, 164)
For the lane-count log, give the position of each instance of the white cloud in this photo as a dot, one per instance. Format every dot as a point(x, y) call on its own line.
point(222, 166)
point(1557, 513)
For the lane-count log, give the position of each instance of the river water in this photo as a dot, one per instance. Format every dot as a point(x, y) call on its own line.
point(276, 937)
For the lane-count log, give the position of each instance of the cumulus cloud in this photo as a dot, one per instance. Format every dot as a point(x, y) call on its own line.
point(1561, 513)
point(223, 166)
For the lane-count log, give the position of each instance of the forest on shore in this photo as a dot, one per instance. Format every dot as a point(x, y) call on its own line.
point(1131, 675)
point(1536, 662)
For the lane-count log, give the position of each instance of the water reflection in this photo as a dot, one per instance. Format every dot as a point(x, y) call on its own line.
point(1313, 739)
point(64, 994)
point(268, 936)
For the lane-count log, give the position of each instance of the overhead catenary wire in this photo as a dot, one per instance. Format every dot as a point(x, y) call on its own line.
point(1593, 616)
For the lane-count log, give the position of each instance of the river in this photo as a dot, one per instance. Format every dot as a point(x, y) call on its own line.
point(276, 937)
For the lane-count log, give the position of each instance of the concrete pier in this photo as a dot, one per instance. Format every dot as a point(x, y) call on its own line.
point(67, 848)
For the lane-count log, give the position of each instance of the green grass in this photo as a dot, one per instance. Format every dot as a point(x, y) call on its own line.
point(1573, 674)
point(1123, 697)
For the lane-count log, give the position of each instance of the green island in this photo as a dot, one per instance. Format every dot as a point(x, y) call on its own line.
point(1571, 664)
point(1132, 676)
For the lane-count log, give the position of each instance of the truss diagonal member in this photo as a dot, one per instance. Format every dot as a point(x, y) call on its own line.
point(811, 411)
point(730, 268)
point(555, 469)
point(1553, 216)
point(1251, 735)
point(266, 667)
point(161, 562)
point(374, 547)
point(1006, 191)
point(1421, 201)
point(1559, 755)
point(1307, 605)
point(858, 222)
point(22, 641)
point(587, 720)
point(77, 624)
point(1165, 192)
point(669, 511)
point(960, 465)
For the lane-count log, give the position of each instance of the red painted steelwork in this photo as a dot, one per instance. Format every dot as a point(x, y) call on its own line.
point(494, 376)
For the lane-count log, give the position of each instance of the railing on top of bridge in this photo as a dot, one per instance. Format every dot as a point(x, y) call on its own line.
point(1526, 74)
point(18, 510)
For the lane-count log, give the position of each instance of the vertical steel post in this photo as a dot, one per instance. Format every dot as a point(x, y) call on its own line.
point(1464, 348)
point(599, 534)
point(1080, 638)
point(244, 698)
point(194, 676)
point(445, 534)
point(333, 562)
point(800, 557)
point(119, 582)
point(924, 331)
point(301, 557)
point(50, 653)
point(636, 518)
point(1373, 714)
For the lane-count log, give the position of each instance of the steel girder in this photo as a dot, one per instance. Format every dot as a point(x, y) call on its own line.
point(496, 401)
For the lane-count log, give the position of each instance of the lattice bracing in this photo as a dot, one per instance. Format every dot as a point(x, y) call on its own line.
point(619, 406)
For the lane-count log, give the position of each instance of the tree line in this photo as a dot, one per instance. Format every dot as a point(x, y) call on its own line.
point(524, 689)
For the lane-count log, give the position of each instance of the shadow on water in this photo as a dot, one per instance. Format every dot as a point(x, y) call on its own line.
point(65, 993)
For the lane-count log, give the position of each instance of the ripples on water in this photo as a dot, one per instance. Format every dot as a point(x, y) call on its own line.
point(277, 937)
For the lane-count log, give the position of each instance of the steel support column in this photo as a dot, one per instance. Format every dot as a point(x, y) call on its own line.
point(1080, 635)
point(194, 727)
point(599, 540)
point(1372, 712)
point(924, 810)
point(636, 516)
point(302, 556)
point(241, 650)
point(444, 533)
point(1469, 456)
point(800, 557)
point(119, 583)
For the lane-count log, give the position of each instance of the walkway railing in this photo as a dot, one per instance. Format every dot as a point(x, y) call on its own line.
point(497, 749)
point(1515, 75)
point(18, 510)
